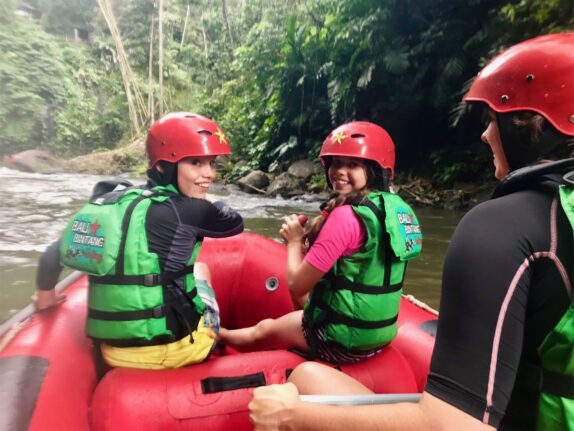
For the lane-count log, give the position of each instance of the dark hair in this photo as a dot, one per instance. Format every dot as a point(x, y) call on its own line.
point(534, 128)
point(377, 179)
point(168, 176)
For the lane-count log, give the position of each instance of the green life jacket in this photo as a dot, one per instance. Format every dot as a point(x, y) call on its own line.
point(556, 354)
point(357, 302)
point(126, 306)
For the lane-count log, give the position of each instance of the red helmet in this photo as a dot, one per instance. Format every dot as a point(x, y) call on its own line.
point(363, 140)
point(535, 75)
point(182, 134)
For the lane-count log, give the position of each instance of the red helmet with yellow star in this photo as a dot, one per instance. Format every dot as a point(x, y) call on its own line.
point(362, 140)
point(178, 135)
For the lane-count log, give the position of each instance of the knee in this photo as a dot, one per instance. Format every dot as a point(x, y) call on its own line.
point(304, 372)
point(264, 329)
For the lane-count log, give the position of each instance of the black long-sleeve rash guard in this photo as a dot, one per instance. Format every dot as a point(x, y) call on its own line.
point(173, 227)
point(506, 279)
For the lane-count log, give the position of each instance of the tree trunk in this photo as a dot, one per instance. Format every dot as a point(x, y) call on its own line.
point(125, 70)
point(227, 27)
point(150, 107)
point(184, 27)
point(160, 53)
point(205, 49)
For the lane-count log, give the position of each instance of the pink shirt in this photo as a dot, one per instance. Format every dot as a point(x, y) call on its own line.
point(342, 235)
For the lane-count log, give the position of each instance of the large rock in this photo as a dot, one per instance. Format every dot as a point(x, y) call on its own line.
point(302, 169)
point(254, 182)
point(112, 162)
point(33, 161)
point(286, 185)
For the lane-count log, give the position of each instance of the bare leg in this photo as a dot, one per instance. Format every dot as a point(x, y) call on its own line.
point(282, 333)
point(318, 379)
point(299, 301)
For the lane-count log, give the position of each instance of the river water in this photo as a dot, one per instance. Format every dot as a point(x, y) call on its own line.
point(35, 208)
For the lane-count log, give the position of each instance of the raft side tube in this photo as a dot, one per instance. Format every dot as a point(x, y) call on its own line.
point(56, 337)
point(248, 275)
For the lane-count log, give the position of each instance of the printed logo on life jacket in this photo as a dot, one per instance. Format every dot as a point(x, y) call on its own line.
point(74, 253)
point(408, 223)
point(410, 244)
point(86, 233)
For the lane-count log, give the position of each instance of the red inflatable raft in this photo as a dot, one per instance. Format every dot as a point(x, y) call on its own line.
point(48, 378)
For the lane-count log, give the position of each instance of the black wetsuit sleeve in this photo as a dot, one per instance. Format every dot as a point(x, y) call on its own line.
point(222, 221)
point(49, 268)
point(178, 222)
point(216, 220)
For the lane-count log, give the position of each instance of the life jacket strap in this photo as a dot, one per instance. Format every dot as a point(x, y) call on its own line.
point(125, 225)
point(334, 317)
point(342, 283)
point(381, 216)
point(147, 280)
point(538, 379)
point(148, 313)
point(328, 315)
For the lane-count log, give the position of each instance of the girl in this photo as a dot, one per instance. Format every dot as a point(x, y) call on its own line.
point(150, 303)
point(358, 248)
point(503, 357)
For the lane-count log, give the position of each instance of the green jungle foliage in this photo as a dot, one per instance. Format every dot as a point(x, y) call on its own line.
point(276, 75)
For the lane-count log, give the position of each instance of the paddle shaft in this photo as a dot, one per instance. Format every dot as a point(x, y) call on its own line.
point(356, 400)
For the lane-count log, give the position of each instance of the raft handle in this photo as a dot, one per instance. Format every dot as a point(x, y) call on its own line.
point(220, 384)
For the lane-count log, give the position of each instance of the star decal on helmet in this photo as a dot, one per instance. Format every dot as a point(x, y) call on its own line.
point(221, 136)
point(338, 138)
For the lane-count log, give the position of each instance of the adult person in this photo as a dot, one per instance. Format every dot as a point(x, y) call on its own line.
point(504, 352)
point(356, 261)
point(150, 304)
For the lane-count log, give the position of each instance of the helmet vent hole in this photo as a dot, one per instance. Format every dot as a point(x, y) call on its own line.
point(205, 132)
point(162, 143)
point(529, 77)
point(173, 153)
point(572, 118)
point(357, 135)
point(504, 98)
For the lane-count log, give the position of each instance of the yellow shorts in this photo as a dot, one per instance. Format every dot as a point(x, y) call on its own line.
point(173, 355)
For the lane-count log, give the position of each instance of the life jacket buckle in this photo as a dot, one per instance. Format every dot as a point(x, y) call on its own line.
point(569, 178)
point(158, 312)
point(150, 280)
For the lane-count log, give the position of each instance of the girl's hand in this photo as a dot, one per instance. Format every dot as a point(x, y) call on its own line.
point(46, 299)
point(272, 407)
point(291, 229)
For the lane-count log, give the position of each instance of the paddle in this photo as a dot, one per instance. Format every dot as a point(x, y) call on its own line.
point(355, 400)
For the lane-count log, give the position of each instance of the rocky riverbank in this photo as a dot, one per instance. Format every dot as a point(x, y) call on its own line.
point(302, 178)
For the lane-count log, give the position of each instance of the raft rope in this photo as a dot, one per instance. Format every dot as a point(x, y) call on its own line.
point(420, 304)
point(12, 332)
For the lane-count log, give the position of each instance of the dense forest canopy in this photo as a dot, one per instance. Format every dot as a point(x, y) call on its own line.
point(79, 76)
